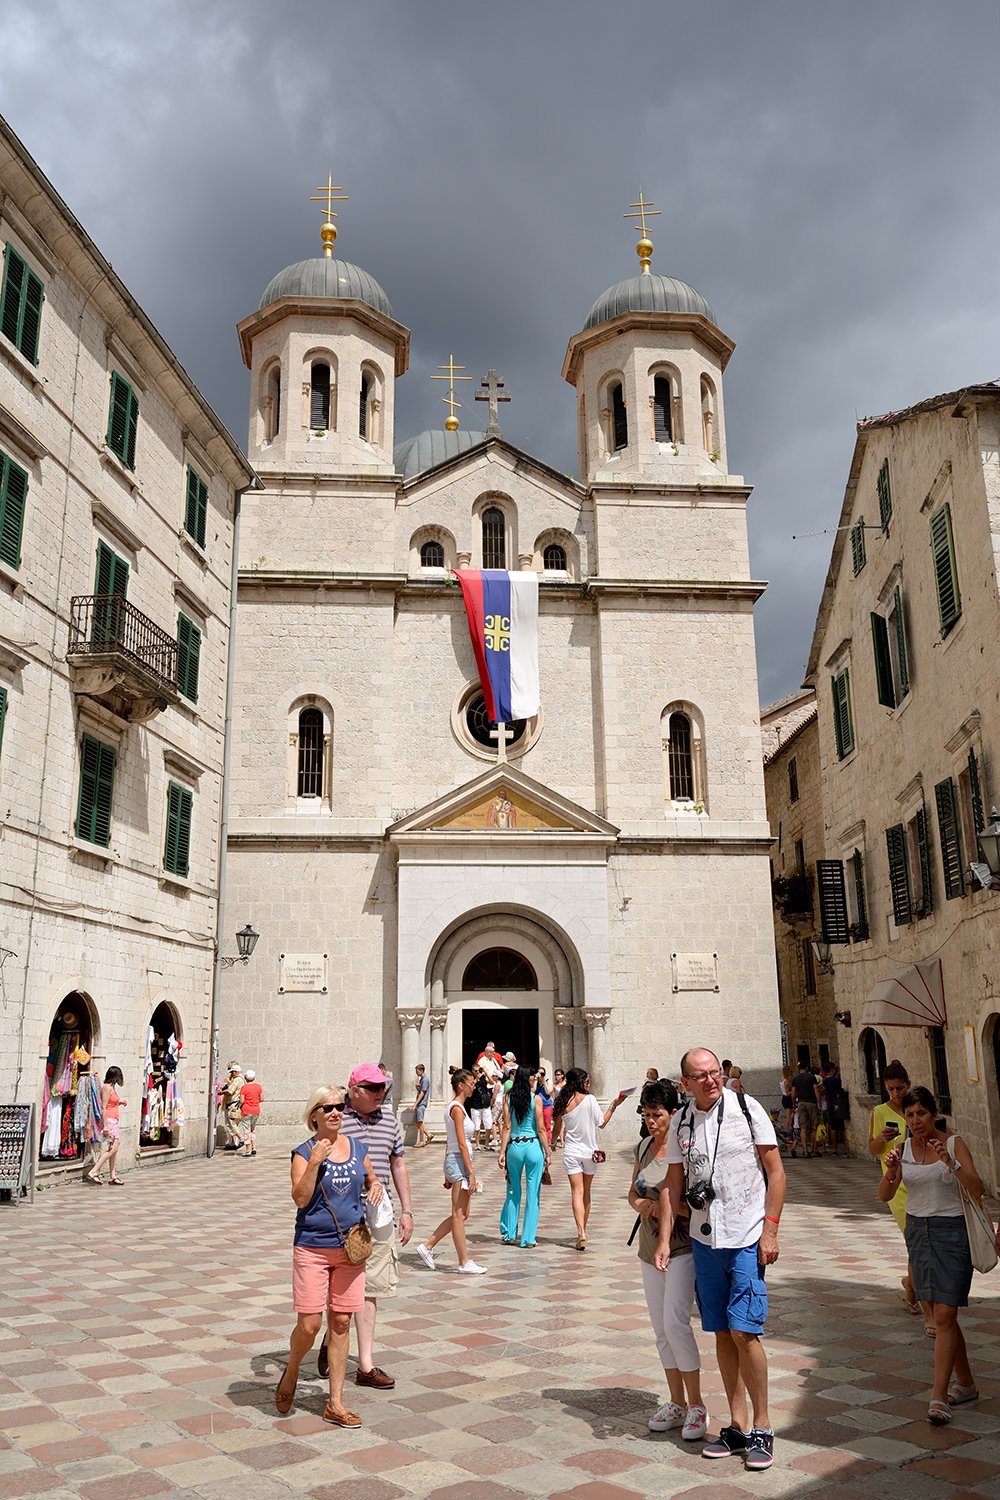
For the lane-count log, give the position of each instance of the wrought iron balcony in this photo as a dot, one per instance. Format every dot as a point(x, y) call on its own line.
point(121, 658)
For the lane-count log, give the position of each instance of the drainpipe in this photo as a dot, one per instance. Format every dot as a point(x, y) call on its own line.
point(220, 921)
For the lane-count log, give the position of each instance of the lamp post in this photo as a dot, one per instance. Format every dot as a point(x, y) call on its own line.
point(989, 843)
point(823, 954)
point(246, 942)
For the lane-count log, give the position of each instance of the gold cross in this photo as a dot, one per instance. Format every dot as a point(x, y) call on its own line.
point(642, 210)
point(497, 632)
point(332, 195)
point(451, 421)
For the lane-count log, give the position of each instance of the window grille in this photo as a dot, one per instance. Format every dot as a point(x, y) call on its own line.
point(619, 418)
point(679, 759)
point(662, 396)
point(554, 559)
point(494, 538)
point(274, 391)
point(319, 398)
point(432, 555)
point(499, 969)
point(366, 388)
point(480, 725)
point(310, 783)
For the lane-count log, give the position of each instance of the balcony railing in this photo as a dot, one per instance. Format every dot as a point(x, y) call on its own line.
point(103, 625)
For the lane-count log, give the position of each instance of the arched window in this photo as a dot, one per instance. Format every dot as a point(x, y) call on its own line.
point(366, 390)
point(483, 729)
point(310, 772)
point(432, 555)
point(554, 558)
point(619, 418)
point(494, 538)
point(272, 425)
point(319, 397)
point(663, 428)
point(499, 969)
point(872, 1059)
point(708, 426)
point(681, 759)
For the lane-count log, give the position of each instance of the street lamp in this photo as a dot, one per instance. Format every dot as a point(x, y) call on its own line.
point(246, 942)
point(989, 843)
point(823, 954)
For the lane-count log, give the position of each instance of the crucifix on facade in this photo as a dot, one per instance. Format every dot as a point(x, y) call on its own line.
point(492, 386)
point(503, 736)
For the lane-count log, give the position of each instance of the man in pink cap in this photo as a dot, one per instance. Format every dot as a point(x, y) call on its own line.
point(377, 1128)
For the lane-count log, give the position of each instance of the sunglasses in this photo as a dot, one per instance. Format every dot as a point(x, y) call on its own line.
point(329, 1109)
point(373, 1088)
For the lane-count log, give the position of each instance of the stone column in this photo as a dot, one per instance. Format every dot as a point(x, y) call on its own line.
point(410, 1022)
point(596, 1018)
point(525, 561)
point(563, 1015)
point(438, 1020)
point(464, 559)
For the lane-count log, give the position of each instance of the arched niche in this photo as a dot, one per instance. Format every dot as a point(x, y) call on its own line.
point(309, 764)
point(73, 1031)
point(682, 737)
point(441, 540)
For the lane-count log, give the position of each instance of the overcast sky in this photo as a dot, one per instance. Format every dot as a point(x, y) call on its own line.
point(826, 175)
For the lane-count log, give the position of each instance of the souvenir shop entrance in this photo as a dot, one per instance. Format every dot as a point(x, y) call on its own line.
point(71, 1093)
point(162, 1105)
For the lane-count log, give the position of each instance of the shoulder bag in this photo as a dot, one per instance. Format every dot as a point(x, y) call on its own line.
point(357, 1241)
point(978, 1227)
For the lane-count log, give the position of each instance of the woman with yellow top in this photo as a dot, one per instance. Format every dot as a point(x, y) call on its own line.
point(886, 1130)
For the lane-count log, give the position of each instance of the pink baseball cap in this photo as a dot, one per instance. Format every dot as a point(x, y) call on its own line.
point(366, 1073)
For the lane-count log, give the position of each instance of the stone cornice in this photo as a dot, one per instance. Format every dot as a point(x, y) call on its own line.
point(325, 307)
point(645, 322)
point(303, 578)
point(712, 588)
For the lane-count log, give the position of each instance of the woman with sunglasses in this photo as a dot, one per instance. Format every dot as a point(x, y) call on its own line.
point(576, 1119)
point(332, 1178)
point(885, 1129)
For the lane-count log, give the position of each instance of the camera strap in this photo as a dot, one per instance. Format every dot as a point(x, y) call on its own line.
point(689, 1121)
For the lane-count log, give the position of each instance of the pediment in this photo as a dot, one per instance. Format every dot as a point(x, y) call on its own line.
point(504, 802)
point(491, 459)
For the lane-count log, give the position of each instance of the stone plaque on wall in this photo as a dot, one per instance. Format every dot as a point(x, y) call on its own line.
point(694, 971)
point(302, 973)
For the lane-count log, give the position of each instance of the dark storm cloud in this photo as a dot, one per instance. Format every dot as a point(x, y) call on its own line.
point(825, 176)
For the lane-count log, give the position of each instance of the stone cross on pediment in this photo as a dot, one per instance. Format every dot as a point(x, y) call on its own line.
point(492, 387)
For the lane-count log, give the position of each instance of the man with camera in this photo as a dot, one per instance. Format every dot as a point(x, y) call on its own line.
point(722, 1158)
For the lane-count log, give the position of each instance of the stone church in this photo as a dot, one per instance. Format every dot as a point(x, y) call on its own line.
point(591, 885)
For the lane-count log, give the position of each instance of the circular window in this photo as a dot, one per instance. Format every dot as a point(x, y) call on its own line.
point(482, 727)
point(475, 730)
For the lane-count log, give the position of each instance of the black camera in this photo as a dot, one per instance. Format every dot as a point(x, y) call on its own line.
point(699, 1195)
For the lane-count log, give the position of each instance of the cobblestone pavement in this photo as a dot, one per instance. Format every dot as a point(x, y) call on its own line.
point(142, 1330)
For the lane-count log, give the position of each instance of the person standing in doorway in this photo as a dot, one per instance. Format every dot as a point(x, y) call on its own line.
point(481, 1109)
point(420, 1106)
point(490, 1062)
point(111, 1103)
point(724, 1162)
point(524, 1149)
point(250, 1096)
point(367, 1120)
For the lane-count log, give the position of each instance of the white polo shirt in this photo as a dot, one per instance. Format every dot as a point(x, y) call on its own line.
point(736, 1214)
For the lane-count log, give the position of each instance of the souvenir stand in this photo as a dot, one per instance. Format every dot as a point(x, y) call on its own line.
point(162, 1105)
point(71, 1097)
point(17, 1153)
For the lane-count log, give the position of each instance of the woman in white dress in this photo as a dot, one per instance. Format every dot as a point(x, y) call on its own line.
point(576, 1119)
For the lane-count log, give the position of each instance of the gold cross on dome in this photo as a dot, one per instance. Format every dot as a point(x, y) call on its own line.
point(451, 421)
point(331, 195)
point(642, 211)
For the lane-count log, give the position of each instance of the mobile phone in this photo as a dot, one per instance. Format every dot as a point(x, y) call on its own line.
point(892, 1129)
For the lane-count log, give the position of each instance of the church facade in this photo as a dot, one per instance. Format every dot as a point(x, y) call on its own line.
point(590, 886)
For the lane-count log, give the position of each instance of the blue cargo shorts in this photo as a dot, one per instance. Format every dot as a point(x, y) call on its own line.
point(729, 1288)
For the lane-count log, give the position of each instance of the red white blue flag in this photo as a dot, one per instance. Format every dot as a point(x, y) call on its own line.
point(503, 622)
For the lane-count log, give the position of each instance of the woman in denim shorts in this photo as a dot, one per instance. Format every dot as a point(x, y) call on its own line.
point(459, 1176)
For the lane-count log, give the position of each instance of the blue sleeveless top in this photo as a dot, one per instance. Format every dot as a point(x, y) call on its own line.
point(344, 1185)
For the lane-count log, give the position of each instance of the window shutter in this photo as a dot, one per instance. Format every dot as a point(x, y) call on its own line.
point(883, 661)
point(884, 495)
point(188, 657)
point(945, 572)
point(97, 777)
point(832, 900)
point(3, 713)
point(951, 839)
point(123, 421)
point(899, 875)
point(619, 417)
point(31, 317)
point(13, 494)
point(10, 298)
point(858, 557)
point(904, 667)
point(21, 305)
point(842, 724)
point(177, 846)
point(110, 581)
point(924, 851)
point(976, 794)
point(196, 509)
point(662, 394)
point(858, 862)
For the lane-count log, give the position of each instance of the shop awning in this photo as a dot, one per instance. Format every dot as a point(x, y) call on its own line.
point(913, 996)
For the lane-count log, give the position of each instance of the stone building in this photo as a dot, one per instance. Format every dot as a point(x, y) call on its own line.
point(790, 739)
point(905, 671)
point(594, 891)
point(118, 489)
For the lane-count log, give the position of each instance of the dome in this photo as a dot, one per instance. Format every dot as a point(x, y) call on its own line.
point(649, 293)
point(428, 449)
point(327, 278)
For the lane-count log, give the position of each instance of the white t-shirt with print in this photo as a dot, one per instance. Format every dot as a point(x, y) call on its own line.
point(736, 1214)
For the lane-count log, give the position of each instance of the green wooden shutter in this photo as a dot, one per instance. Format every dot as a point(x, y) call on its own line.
point(13, 495)
point(924, 852)
point(123, 420)
point(31, 318)
point(3, 714)
point(196, 509)
point(899, 875)
point(97, 779)
point(14, 270)
point(861, 926)
point(858, 557)
point(951, 838)
point(177, 847)
point(188, 657)
point(976, 795)
point(842, 723)
point(884, 495)
point(883, 661)
point(945, 572)
point(904, 666)
point(110, 583)
point(832, 900)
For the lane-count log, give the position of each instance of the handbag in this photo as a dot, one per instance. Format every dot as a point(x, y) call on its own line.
point(546, 1176)
point(979, 1228)
point(357, 1241)
point(599, 1156)
point(380, 1218)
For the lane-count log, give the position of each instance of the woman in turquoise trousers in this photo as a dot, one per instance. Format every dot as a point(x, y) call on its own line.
point(524, 1150)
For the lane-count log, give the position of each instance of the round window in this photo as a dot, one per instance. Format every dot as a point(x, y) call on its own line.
point(481, 726)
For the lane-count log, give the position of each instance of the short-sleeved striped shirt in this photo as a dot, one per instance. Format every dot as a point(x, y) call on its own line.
point(381, 1137)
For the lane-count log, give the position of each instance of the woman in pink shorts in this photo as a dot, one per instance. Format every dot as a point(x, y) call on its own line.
point(331, 1179)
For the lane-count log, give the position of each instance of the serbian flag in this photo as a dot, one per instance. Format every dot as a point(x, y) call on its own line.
point(503, 623)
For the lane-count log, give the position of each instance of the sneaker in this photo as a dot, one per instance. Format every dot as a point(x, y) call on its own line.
point(730, 1440)
point(760, 1449)
point(426, 1256)
point(695, 1424)
point(669, 1416)
point(470, 1268)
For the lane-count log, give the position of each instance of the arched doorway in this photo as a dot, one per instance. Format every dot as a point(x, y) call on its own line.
point(497, 974)
point(68, 1125)
point(871, 1051)
point(991, 1080)
point(162, 1104)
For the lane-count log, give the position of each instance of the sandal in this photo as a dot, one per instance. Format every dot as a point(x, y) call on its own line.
point(581, 1243)
point(939, 1413)
point(97, 1181)
point(283, 1403)
point(930, 1332)
point(958, 1394)
point(911, 1306)
point(116, 1181)
point(341, 1418)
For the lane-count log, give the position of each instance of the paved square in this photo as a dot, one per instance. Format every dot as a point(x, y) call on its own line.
point(142, 1332)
